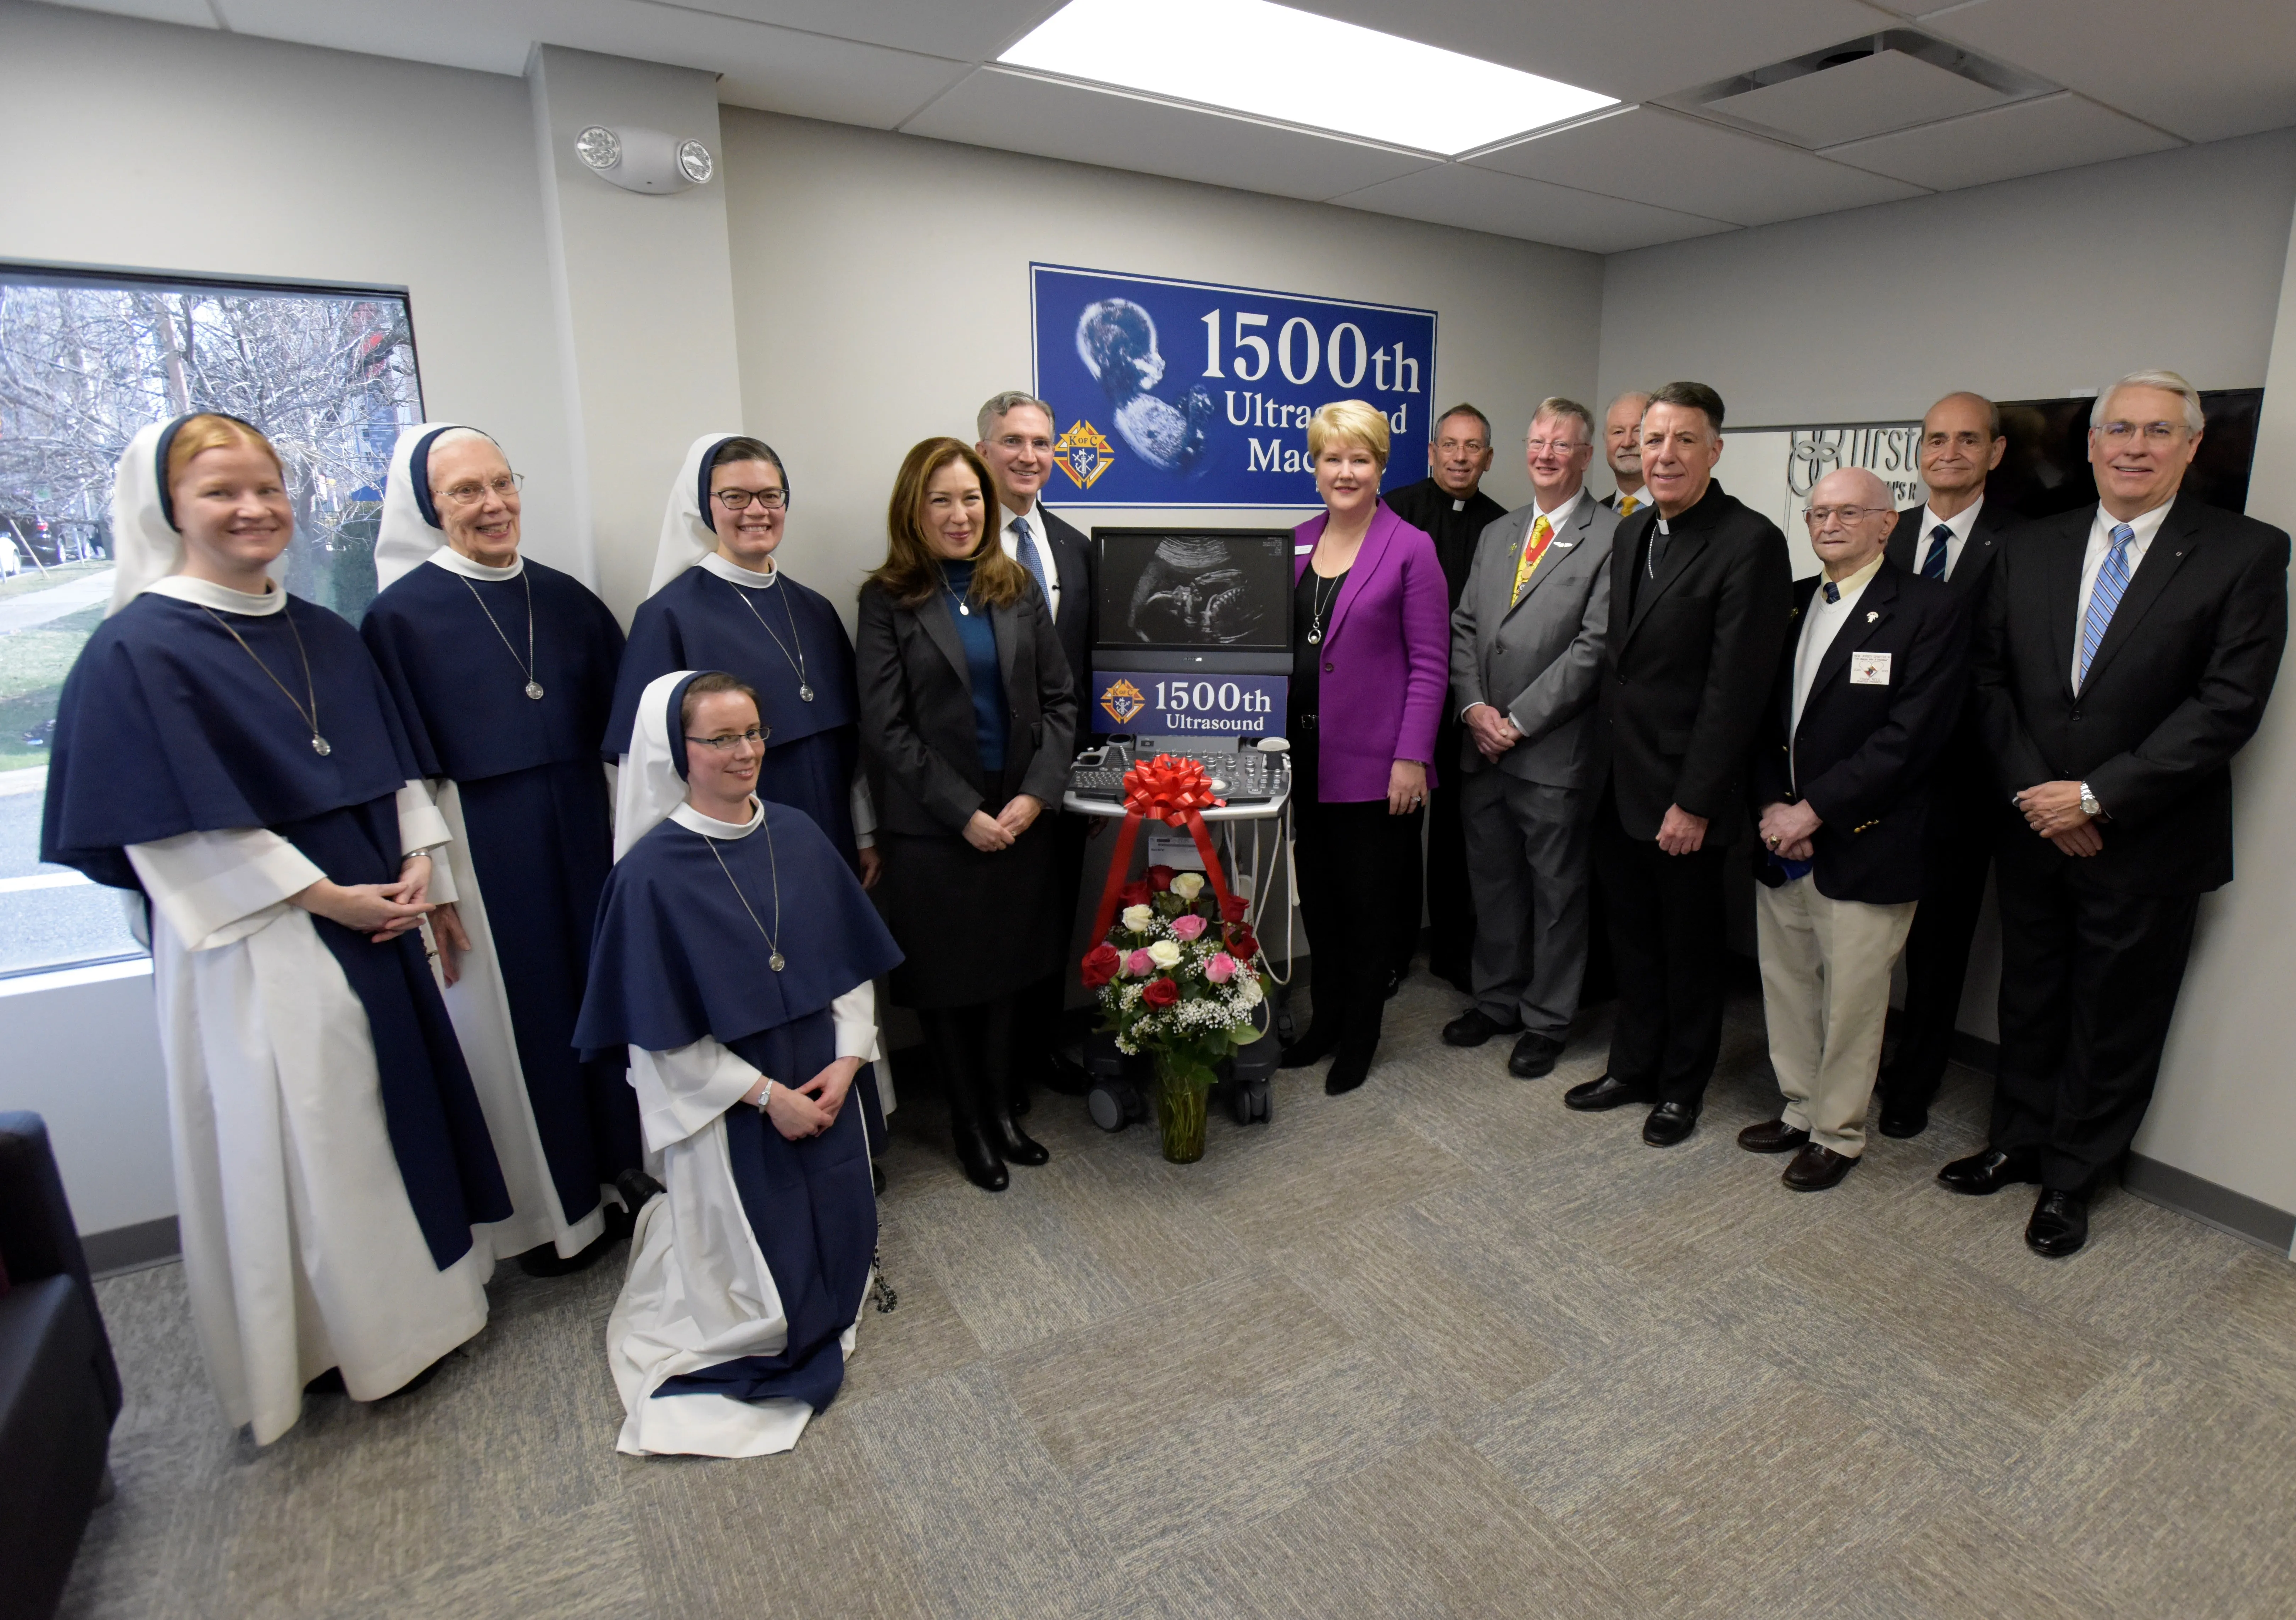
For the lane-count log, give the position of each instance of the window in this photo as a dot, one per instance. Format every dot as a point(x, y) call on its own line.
point(86, 358)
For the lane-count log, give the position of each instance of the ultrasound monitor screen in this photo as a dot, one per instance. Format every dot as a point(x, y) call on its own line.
point(1195, 589)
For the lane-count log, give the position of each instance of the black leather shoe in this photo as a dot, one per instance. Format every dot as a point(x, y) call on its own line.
point(1772, 1136)
point(1312, 1048)
point(876, 1175)
point(1904, 1119)
point(1064, 1076)
point(1594, 1095)
point(1670, 1124)
point(1534, 1056)
point(1395, 979)
point(1817, 1167)
point(2059, 1226)
point(1473, 1027)
point(1982, 1174)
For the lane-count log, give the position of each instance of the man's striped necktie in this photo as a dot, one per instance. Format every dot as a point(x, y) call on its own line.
point(1933, 564)
point(2104, 596)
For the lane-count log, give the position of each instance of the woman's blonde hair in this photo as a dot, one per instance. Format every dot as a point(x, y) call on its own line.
point(910, 570)
point(213, 430)
point(1348, 422)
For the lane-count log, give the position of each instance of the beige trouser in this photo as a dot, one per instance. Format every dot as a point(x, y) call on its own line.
point(1825, 993)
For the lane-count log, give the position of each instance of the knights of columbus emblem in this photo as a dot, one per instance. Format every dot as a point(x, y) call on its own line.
point(1123, 700)
point(1083, 454)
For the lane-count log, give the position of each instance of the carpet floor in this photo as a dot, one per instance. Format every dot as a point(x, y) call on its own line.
point(1439, 1348)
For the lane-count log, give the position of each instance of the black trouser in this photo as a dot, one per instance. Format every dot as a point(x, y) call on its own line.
point(2089, 982)
point(1044, 1005)
point(1450, 898)
point(1954, 868)
point(972, 1051)
point(1669, 945)
point(1351, 859)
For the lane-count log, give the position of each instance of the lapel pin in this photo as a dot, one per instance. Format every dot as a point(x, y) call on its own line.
point(1873, 614)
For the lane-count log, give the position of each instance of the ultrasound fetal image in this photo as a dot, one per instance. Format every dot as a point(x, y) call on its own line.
point(1193, 593)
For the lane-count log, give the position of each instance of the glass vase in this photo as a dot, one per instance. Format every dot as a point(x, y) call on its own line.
point(1182, 1106)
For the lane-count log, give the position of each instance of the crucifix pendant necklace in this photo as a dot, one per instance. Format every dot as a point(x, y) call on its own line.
point(533, 686)
point(796, 659)
point(310, 715)
point(774, 959)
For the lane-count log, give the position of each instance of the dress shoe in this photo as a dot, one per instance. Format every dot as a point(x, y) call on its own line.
point(876, 1175)
point(1670, 1124)
point(1983, 1175)
point(1817, 1167)
point(1473, 1027)
point(1319, 1043)
point(1772, 1136)
point(2059, 1226)
point(1534, 1056)
point(1064, 1076)
point(1395, 979)
point(1605, 1091)
point(1904, 1119)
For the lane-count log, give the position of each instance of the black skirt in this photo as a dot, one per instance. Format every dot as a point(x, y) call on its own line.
point(973, 927)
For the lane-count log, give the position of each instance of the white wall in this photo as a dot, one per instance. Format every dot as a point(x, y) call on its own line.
point(881, 293)
point(85, 1057)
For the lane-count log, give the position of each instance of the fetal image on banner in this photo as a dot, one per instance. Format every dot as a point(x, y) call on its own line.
point(1182, 393)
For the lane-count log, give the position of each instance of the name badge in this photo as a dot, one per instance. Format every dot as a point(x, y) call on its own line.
point(1869, 669)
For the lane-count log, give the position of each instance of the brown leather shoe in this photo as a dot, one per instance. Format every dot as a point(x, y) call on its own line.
point(1816, 1168)
point(1771, 1136)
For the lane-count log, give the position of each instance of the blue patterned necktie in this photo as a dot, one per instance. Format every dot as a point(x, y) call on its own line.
point(1833, 592)
point(1029, 560)
point(1933, 564)
point(2104, 596)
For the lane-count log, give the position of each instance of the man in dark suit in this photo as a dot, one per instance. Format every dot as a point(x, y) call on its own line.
point(1953, 538)
point(1450, 506)
point(1016, 441)
point(1869, 687)
point(1700, 591)
point(2124, 655)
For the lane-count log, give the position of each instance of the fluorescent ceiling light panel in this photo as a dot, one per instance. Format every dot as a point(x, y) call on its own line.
point(1275, 62)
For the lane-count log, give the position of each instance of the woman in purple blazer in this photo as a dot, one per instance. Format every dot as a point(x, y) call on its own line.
point(1371, 653)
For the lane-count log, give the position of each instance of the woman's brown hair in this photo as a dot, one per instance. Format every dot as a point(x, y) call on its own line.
point(911, 571)
point(207, 431)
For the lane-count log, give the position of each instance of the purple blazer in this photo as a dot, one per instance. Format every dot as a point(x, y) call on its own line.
point(1387, 658)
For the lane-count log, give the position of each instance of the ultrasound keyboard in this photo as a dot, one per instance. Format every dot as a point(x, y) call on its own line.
point(1240, 774)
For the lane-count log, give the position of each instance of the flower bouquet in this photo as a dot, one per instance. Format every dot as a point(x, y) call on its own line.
point(1178, 977)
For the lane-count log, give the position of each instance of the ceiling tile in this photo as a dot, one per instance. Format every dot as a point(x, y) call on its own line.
point(1478, 200)
point(187, 13)
point(1637, 52)
point(1887, 90)
point(2049, 132)
point(1020, 112)
point(963, 30)
point(1654, 156)
point(2205, 69)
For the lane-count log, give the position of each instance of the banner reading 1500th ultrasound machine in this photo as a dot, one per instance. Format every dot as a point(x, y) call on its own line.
point(1182, 394)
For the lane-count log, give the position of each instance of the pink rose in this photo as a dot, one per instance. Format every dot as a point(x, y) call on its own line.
point(1138, 964)
point(1187, 925)
point(1221, 968)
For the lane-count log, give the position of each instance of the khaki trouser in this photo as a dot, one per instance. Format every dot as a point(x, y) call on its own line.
point(1825, 993)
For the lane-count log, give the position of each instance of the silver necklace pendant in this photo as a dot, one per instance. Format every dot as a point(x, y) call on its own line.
point(965, 608)
point(319, 745)
point(533, 690)
point(804, 692)
point(776, 962)
point(1314, 638)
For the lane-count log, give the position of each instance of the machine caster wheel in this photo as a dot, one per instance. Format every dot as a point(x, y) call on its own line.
point(1106, 1107)
point(1239, 1102)
point(1259, 1104)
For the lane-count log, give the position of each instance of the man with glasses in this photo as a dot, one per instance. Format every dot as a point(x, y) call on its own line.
point(1450, 506)
point(1868, 687)
point(1526, 641)
point(2124, 655)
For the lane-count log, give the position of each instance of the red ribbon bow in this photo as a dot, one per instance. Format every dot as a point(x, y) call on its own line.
point(1173, 790)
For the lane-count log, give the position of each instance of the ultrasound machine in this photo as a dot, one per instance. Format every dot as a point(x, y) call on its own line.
point(1191, 657)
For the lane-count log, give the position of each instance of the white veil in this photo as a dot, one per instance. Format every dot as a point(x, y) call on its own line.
point(409, 533)
point(687, 537)
point(145, 547)
point(650, 785)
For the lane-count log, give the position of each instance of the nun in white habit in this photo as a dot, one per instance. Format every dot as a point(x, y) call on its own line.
point(232, 751)
point(735, 957)
point(503, 670)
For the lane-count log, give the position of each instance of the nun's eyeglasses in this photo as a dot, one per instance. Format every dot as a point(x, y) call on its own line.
point(734, 500)
point(470, 495)
point(755, 733)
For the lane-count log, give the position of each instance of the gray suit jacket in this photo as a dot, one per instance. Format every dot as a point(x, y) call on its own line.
point(1536, 659)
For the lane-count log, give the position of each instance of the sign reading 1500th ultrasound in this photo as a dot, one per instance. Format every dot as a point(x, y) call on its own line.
point(1173, 393)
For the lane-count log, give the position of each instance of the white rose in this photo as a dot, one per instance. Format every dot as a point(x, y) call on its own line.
point(1165, 953)
point(1251, 991)
point(1187, 885)
point(1136, 918)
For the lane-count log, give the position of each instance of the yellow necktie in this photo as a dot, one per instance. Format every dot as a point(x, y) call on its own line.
point(1533, 550)
point(1627, 504)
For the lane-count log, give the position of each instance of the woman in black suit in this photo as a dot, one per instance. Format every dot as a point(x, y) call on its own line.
point(968, 721)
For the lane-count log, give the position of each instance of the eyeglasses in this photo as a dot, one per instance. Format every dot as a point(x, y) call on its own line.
point(1560, 447)
point(1821, 516)
point(737, 500)
point(2151, 432)
point(505, 487)
point(756, 735)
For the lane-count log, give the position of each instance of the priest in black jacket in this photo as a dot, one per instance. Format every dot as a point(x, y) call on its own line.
point(1450, 506)
point(2125, 657)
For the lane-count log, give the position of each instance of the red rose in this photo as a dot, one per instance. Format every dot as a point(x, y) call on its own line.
point(1133, 893)
point(1241, 944)
point(1233, 908)
point(1160, 992)
point(1160, 878)
point(1099, 967)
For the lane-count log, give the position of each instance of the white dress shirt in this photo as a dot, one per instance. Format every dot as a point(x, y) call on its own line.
point(1821, 622)
point(1556, 518)
point(2099, 542)
point(1961, 524)
point(1011, 538)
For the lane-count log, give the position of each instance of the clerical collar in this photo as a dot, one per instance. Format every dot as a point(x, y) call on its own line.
point(734, 573)
point(222, 598)
point(693, 821)
point(455, 562)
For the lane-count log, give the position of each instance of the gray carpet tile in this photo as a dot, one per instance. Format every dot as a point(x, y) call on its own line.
point(1434, 1349)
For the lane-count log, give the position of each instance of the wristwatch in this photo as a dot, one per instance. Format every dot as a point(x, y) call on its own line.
point(2090, 806)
